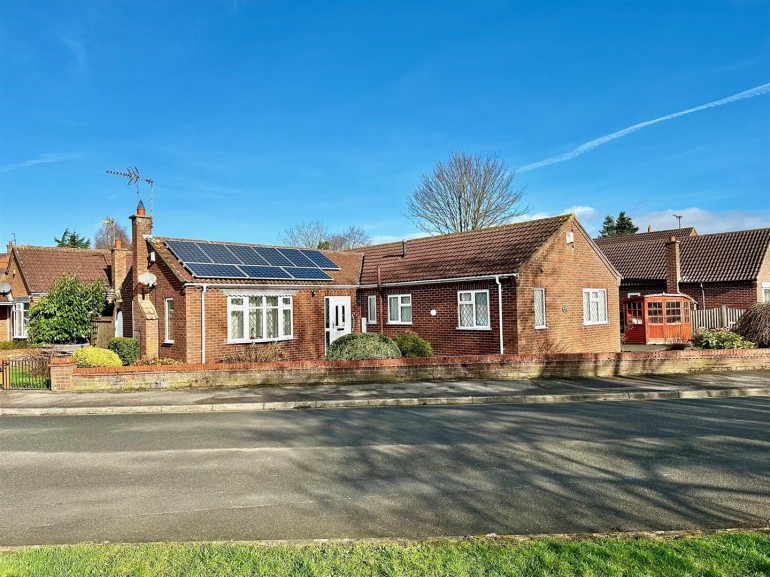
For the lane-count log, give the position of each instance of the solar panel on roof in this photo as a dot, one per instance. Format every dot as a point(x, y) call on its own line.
point(308, 273)
point(265, 272)
point(211, 270)
point(272, 255)
point(187, 251)
point(218, 253)
point(297, 258)
point(247, 255)
point(320, 260)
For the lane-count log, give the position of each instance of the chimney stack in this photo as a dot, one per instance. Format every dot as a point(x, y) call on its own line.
point(673, 266)
point(649, 228)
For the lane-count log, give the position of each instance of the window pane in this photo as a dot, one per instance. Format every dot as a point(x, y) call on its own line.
point(393, 309)
point(655, 313)
point(236, 325)
point(255, 301)
point(482, 309)
point(287, 301)
point(406, 300)
point(466, 315)
point(539, 308)
point(372, 309)
point(602, 317)
point(465, 296)
point(586, 306)
point(406, 314)
point(286, 322)
point(272, 323)
point(673, 312)
point(272, 301)
point(255, 323)
point(236, 301)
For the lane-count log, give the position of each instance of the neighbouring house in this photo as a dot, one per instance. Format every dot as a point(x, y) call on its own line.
point(31, 271)
point(730, 269)
point(6, 304)
point(530, 287)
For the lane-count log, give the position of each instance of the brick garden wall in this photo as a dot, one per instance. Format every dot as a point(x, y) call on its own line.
point(65, 376)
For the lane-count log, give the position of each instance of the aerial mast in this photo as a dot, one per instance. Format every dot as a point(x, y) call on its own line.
point(133, 176)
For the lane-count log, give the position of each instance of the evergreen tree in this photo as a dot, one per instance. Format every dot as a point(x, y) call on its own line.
point(608, 227)
point(624, 225)
point(72, 240)
point(618, 226)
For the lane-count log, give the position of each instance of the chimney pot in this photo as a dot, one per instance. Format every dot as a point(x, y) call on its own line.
point(140, 211)
point(118, 243)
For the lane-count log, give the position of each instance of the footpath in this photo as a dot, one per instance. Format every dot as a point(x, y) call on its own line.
point(323, 396)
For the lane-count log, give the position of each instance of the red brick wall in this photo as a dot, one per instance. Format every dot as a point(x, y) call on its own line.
point(5, 323)
point(168, 286)
point(738, 295)
point(442, 329)
point(764, 275)
point(564, 270)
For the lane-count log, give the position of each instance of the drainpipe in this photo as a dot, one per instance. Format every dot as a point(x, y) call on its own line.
point(703, 296)
point(500, 311)
point(203, 324)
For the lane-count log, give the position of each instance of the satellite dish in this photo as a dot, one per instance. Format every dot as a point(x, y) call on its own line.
point(148, 279)
point(5, 288)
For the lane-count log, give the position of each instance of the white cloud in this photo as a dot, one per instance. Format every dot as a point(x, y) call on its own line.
point(591, 144)
point(704, 221)
point(387, 238)
point(582, 212)
point(46, 158)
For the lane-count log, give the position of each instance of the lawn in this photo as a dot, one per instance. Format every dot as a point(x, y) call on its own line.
point(714, 555)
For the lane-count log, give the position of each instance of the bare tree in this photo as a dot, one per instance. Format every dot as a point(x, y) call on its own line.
point(466, 192)
point(307, 234)
point(315, 234)
point(109, 232)
point(353, 237)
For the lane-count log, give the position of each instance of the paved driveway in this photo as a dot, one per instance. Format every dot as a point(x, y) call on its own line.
point(407, 472)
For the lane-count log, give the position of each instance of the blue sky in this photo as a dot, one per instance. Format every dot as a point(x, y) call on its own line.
point(252, 116)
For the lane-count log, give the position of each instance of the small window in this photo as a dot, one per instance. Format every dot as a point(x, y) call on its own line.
point(169, 321)
point(400, 309)
point(595, 306)
point(766, 292)
point(540, 308)
point(655, 313)
point(673, 312)
point(371, 310)
point(20, 320)
point(631, 295)
point(634, 313)
point(473, 309)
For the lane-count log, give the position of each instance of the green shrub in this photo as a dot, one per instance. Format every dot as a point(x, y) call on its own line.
point(126, 348)
point(721, 339)
point(96, 357)
point(361, 347)
point(156, 361)
point(754, 325)
point(64, 315)
point(17, 344)
point(411, 345)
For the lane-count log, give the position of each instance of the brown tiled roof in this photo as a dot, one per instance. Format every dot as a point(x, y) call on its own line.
point(497, 250)
point(647, 236)
point(720, 257)
point(42, 266)
point(349, 263)
point(4, 258)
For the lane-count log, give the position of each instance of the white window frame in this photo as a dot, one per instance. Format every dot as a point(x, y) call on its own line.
point(632, 295)
point(168, 334)
point(371, 309)
point(593, 297)
point(20, 311)
point(245, 307)
point(766, 292)
point(400, 309)
point(476, 326)
point(545, 320)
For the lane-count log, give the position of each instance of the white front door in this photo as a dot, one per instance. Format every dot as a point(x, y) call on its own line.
point(337, 318)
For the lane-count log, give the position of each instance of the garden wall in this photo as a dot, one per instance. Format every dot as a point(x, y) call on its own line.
point(65, 377)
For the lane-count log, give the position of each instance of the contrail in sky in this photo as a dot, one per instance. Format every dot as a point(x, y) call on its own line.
point(591, 144)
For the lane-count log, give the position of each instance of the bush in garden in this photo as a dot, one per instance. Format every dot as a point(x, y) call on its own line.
point(721, 339)
point(411, 345)
point(126, 348)
point(754, 325)
point(156, 361)
point(64, 315)
point(361, 347)
point(96, 357)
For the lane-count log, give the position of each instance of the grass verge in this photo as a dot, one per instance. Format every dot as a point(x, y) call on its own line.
point(720, 554)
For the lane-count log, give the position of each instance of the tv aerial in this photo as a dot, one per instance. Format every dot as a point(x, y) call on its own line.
point(678, 217)
point(133, 176)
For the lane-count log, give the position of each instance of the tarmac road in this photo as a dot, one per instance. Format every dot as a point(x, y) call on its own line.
point(392, 472)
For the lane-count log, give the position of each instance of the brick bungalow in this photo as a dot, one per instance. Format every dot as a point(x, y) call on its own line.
point(724, 269)
point(559, 293)
point(31, 271)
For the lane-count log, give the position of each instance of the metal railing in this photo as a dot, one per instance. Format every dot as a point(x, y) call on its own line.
point(25, 373)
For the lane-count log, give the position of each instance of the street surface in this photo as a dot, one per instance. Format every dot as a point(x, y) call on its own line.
point(400, 472)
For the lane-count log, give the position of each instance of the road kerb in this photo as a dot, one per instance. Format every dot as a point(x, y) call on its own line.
point(385, 402)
